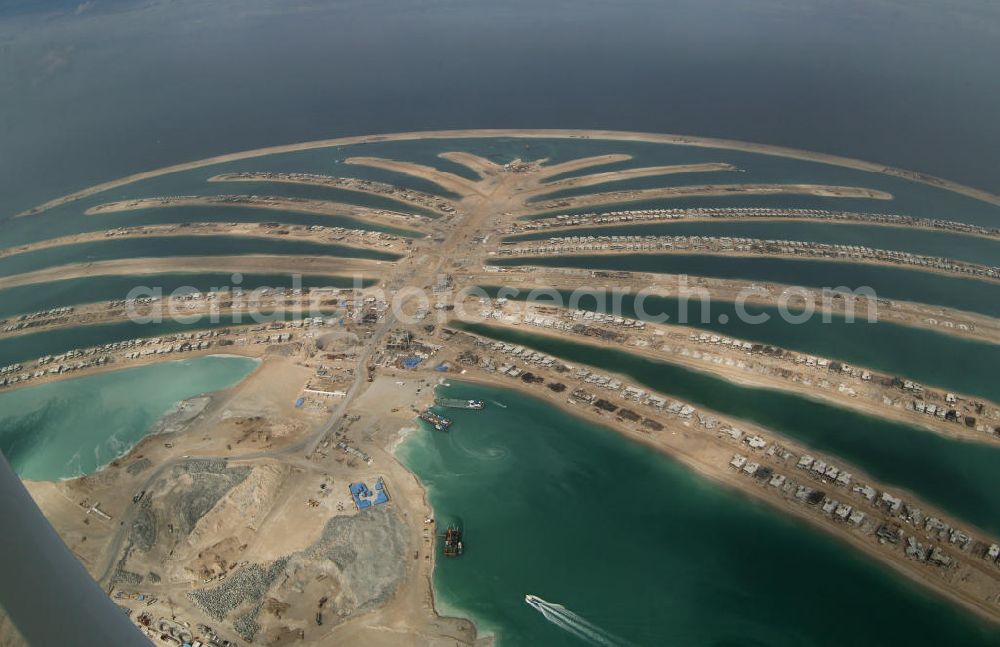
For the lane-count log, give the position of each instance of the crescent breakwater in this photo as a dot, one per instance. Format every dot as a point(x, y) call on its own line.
point(623, 136)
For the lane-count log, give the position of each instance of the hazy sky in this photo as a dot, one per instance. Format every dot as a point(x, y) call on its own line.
point(97, 90)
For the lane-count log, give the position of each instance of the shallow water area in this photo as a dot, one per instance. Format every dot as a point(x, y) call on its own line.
point(75, 427)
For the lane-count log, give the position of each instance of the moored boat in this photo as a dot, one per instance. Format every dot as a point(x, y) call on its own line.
point(437, 421)
point(455, 403)
point(453, 546)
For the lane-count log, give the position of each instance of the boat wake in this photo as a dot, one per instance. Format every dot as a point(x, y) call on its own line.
point(573, 623)
point(486, 454)
point(499, 404)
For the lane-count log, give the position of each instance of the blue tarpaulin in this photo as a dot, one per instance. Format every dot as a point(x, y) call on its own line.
point(365, 498)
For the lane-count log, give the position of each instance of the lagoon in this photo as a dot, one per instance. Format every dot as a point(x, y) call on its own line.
point(889, 282)
point(641, 547)
point(35, 297)
point(947, 361)
point(177, 246)
point(973, 249)
point(74, 427)
point(956, 475)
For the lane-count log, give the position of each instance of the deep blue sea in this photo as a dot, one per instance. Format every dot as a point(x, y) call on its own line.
point(96, 90)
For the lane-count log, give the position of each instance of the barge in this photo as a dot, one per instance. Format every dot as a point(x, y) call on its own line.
point(454, 403)
point(439, 422)
point(453, 542)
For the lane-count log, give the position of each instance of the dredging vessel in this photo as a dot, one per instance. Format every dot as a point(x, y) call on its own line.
point(454, 403)
point(439, 422)
point(453, 542)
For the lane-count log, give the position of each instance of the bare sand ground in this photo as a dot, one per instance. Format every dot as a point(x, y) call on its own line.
point(869, 406)
point(448, 181)
point(407, 197)
point(312, 303)
point(760, 370)
point(273, 203)
point(479, 165)
point(280, 510)
point(627, 174)
point(571, 166)
point(681, 140)
point(938, 318)
point(640, 195)
point(359, 238)
point(112, 487)
point(311, 265)
point(255, 351)
point(522, 201)
point(393, 401)
point(924, 225)
point(971, 271)
point(98, 313)
point(509, 190)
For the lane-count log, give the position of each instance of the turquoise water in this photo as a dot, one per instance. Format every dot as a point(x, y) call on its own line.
point(973, 249)
point(75, 427)
point(955, 475)
point(35, 297)
point(169, 246)
point(949, 362)
point(982, 297)
point(641, 547)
